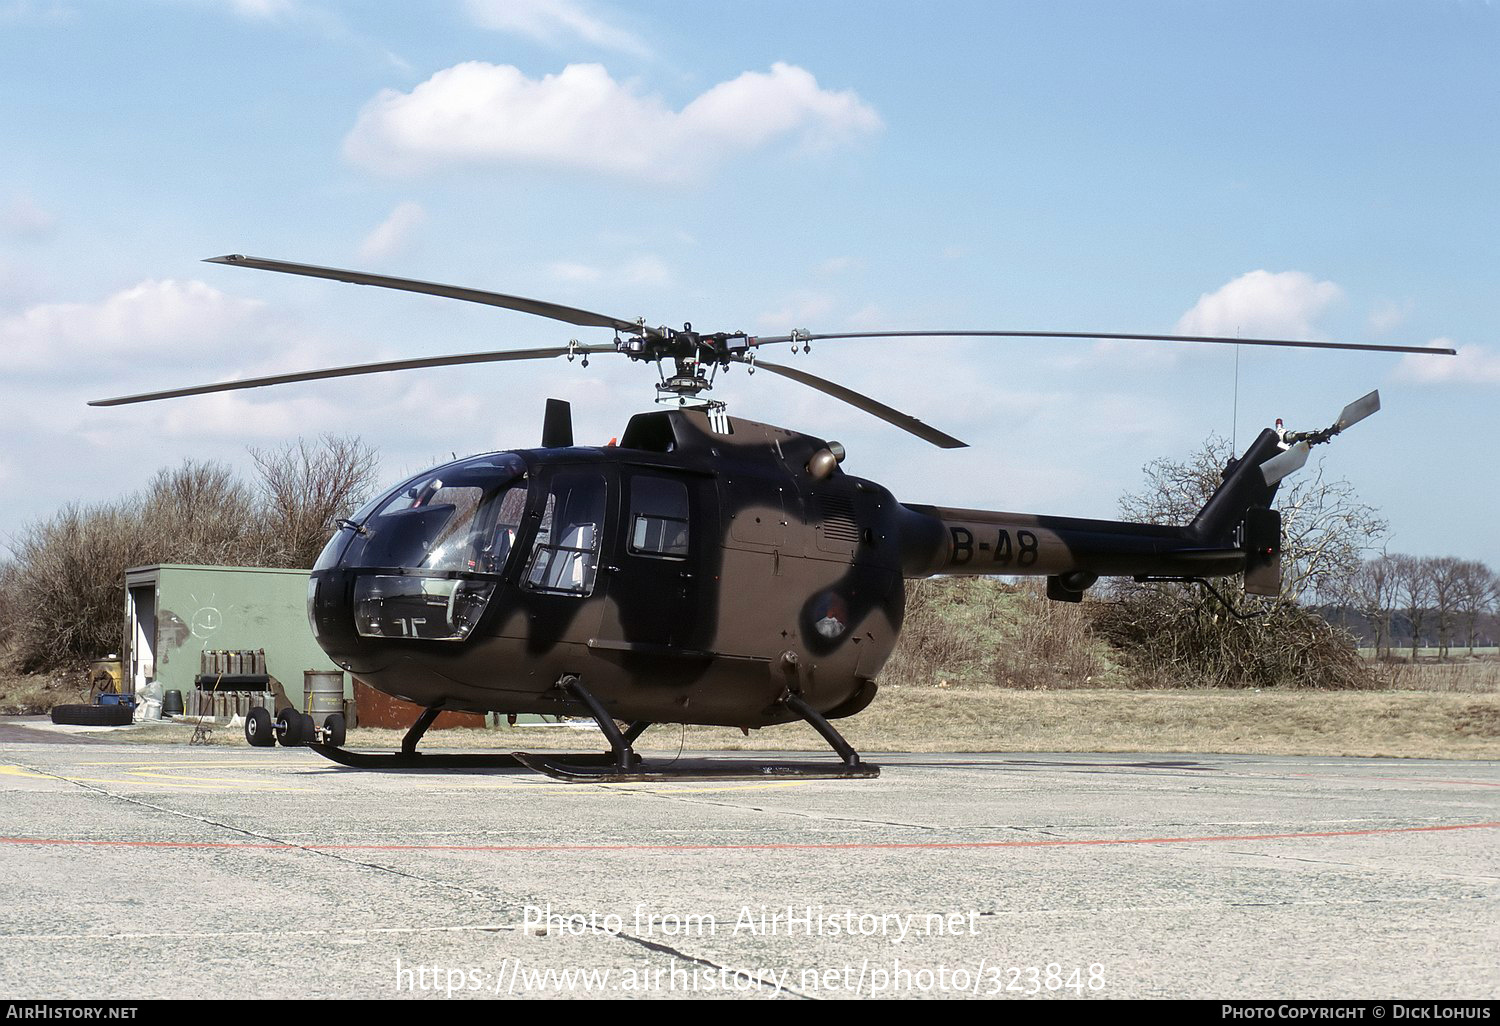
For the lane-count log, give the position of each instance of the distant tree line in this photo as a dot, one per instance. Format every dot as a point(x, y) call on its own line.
point(1393, 602)
point(62, 591)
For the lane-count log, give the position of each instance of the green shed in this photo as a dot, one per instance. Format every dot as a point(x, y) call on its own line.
point(174, 613)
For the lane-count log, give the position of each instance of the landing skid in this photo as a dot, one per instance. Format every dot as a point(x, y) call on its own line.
point(563, 768)
point(621, 764)
point(448, 760)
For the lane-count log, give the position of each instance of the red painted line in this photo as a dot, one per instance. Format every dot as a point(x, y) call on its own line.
point(852, 846)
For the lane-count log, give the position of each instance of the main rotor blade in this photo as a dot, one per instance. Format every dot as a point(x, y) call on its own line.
point(555, 311)
point(886, 413)
point(1212, 339)
point(362, 368)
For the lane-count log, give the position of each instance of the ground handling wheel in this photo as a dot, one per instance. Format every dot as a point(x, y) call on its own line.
point(258, 729)
point(334, 731)
point(291, 728)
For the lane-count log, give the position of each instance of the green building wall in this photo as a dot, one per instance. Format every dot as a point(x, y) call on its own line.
point(222, 607)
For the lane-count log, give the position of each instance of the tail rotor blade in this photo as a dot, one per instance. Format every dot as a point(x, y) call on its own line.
point(1289, 462)
point(1358, 411)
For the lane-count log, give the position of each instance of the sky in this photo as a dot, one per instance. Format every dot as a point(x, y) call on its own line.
point(1323, 170)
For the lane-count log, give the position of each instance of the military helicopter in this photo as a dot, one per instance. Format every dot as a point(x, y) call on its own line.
point(706, 569)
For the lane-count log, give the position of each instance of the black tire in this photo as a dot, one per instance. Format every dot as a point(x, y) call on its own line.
point(93, 715)
point(258, 729)
point(334, 730)
point(289, 725)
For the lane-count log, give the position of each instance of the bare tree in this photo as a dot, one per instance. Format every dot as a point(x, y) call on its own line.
point(1413, 594)
point(1370, 590)
point(1478, 588)
point(199, 513)
point(307, 487)
point(1446, 576)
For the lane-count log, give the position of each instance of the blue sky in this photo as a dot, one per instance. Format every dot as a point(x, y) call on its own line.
point(1316, 169)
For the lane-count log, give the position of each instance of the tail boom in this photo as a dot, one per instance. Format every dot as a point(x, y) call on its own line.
point(1234, 532)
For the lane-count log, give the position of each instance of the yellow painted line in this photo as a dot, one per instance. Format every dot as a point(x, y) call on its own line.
point(157, 780)
point(166, 765)
point(209, 782)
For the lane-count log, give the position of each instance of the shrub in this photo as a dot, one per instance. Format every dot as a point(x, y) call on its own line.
point(1168, 639)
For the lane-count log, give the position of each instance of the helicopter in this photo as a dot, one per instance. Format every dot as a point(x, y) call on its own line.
point(703, 569)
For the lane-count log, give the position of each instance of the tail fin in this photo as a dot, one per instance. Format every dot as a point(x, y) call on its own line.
point(1244, 487)
point(1239, 515)
point(1239, 512)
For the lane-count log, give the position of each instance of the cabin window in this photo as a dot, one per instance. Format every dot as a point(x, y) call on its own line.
point(511, 511)
point(658, 517)
point(565, 555)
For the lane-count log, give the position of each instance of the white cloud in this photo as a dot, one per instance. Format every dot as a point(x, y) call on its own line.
point(800, 310)
point(838, 265)
point(643, 269)
point(571, 272)
point(1474, 365)
point(1262, 304)
point(1388, 316)
point(554, 22)
point(236, 415)
point(263, 10)
point(486, 114)
point(182, 316)
point(394, 233)
point(22, 218)
point(35, 10)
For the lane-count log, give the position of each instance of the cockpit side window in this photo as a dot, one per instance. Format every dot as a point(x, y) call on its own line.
point(510, 511)
point(658, 517)
point(565, 554)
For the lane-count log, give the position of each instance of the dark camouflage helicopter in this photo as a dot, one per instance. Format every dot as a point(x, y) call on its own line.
point(706, 569)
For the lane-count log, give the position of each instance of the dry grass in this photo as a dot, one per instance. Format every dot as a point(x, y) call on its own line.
point(952, 719)
point(1479, 675)
point(28, 694)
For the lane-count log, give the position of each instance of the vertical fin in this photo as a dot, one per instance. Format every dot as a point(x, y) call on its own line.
point(557, 425)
